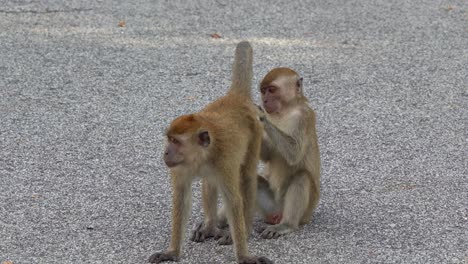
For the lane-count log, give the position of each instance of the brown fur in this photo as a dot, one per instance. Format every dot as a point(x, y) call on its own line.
point(205, 144)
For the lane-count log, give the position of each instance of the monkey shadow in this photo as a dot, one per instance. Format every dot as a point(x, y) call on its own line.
point(323, 220)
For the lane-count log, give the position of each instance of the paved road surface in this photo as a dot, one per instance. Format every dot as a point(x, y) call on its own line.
point(84, 103)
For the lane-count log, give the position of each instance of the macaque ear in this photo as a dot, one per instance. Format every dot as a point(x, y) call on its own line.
point(204, 138)
point(299, 85)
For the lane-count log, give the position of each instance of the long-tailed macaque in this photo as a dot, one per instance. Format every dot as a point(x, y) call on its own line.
point(221, 144)
point(290, 191)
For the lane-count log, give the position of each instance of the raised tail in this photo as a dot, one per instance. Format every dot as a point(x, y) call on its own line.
point(242, 71)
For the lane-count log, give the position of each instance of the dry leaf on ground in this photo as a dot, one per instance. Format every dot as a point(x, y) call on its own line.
point(216, 36)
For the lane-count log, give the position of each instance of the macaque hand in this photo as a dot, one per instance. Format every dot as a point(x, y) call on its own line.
point(261, 113)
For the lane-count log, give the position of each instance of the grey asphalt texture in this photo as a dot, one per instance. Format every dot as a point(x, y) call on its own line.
point(84, 103)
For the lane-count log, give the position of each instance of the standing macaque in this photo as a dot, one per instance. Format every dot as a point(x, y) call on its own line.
point(221, 144)
point(290, 191)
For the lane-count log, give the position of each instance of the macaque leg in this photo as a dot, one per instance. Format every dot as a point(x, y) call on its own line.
point(249, 183)
point(223, 236)
point(181, 203)
point(314, 197)
point(235, 216)
point(207, 228)
point(222, 221)
point(295, 205)
point(234, 209)
point(248, 190)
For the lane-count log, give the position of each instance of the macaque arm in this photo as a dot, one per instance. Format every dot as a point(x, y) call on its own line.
point(181, 203)
point(266, 149)
point(181, 207)
point(289, 146)
point(210, 202)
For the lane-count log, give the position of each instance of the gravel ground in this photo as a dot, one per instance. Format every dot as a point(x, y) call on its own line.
point(84, 103)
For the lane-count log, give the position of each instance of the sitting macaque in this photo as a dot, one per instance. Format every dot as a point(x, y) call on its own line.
point(290, 191)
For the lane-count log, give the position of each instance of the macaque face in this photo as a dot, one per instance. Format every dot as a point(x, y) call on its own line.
point(271, 99)
point(277, 94)
point(173, 154)
point(185, 149)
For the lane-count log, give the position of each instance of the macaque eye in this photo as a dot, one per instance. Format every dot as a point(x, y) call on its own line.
point(173, 140)
point(272, 89)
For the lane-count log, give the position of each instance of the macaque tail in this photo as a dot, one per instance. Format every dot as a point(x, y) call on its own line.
point(242, 71)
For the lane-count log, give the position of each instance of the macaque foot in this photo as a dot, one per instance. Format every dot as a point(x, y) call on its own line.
point(202, 232)
point(276, 231)
point(254, 260)
point(163, 256)
point(222, 222)
point(224, 237)
point(260, 229)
